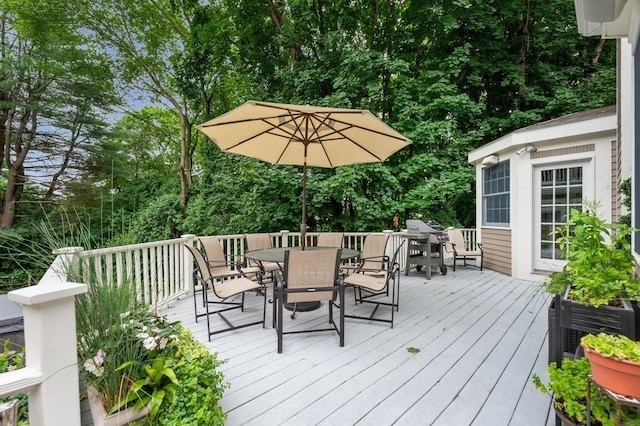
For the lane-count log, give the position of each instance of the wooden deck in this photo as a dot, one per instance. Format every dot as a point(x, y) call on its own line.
point(480, 336)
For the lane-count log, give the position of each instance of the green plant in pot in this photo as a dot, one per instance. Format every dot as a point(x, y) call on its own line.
point(600, 264)
point(568, 387)
point(615, 362)
point(597, 283)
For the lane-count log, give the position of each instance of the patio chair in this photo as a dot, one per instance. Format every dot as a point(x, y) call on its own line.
point(223, 292)
point(330, 239)
point(309, 276)
point(461, 249)
point(373, 258)
point(258, 242)
point(374, 288)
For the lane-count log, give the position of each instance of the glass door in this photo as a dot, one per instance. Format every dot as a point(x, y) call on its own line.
point(559, 190)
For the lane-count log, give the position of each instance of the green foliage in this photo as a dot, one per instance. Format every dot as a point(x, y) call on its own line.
point(11, 360)
point(568, 388)
point(626, 191)
point(600, 266)
point(611, 346)
point(200, 386)
point(157, 388)
point(118, 338)
point(159, 220)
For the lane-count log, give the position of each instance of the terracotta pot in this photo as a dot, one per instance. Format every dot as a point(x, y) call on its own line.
point(120, 418)
point(619, 376)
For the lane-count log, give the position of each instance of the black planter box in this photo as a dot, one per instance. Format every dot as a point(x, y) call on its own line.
point(603, 319)
point(566, 339)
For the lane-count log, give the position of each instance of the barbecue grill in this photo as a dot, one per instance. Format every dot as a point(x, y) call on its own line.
point(425, 246)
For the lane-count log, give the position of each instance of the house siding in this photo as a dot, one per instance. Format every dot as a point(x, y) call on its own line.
point(563, 151)
point(616, 180)
point(496, 244)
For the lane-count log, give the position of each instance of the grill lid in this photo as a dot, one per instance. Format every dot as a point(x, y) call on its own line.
point(416, 226)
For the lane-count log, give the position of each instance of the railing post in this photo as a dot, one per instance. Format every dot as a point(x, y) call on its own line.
point(188, 264)
point(67, 264)
point(50, 342)
point(284, 238)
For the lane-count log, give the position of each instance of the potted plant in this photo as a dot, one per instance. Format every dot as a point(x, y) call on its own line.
point(598, 282)
point(615, 362)
point(568, 387)
point(123, 348)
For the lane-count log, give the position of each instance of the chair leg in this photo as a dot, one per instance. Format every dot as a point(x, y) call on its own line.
point(341, 316)
point(264, 308)
point(279, 321)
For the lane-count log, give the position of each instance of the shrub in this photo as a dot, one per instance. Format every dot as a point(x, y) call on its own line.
point(200, 386)
point(568, 384)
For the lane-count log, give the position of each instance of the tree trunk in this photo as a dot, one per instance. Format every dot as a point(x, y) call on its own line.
point(15, 185)
point(186, 162)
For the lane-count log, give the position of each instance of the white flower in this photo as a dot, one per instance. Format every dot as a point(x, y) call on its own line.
point(90, 366)
point(99, 358)
point(149, 343)
point(163, 343)
point(142, 336)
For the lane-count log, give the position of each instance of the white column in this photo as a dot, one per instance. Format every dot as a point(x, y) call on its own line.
point(50, 344)
point(187, 270)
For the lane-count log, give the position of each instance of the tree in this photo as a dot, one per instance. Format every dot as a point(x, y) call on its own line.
point(50, 79)
point(174, 53)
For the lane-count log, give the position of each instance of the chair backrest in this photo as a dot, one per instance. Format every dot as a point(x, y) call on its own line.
point(375, 247)
point(215, 257)
point(330, 239)
point(201, 264)
point(456, 237)
point(258, 241)
point(311, 269)
point(394, 264)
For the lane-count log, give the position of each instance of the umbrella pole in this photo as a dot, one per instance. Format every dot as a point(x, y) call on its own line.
point(303, 224)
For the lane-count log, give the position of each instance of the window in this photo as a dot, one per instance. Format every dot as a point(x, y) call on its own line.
point(495, 194)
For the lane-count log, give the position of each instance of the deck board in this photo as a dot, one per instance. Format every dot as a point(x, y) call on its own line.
point(480, 334)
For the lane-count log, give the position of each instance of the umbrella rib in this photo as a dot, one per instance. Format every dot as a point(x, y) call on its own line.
point(270, 131)
point(315, 131)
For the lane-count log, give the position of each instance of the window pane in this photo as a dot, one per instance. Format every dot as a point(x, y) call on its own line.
point(546, 177)
point(575, 175)
point(546, 250)
point(546, 196)
point(560, 214)
point(546, 232)
point(575, 195)
point(546, 214)
point(561, 176)
point(561, 195)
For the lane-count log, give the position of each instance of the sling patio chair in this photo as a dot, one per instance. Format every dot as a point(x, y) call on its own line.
point(461, 249)
point(374, 288)
point(219, 266)
point(373, 258)
point(309, 276)
point(224, 291)
point(330, 239)
point(258, 242)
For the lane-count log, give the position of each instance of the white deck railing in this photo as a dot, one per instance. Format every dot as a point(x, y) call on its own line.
point(162, 272)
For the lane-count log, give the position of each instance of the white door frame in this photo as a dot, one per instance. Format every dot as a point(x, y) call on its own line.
point(587, 165)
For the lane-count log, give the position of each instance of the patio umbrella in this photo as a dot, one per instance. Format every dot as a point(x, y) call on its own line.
point(303, 135)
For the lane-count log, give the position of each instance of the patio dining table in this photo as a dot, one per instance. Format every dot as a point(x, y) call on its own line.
point(276, 254)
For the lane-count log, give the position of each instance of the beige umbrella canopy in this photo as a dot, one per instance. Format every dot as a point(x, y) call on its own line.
point(304, 135)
